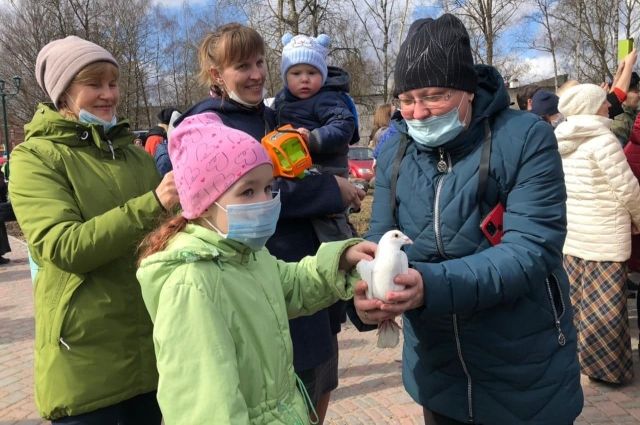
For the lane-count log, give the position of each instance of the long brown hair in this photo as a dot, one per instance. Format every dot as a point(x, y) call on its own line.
point(157, 240)
point(229, 45)
point(381, 118)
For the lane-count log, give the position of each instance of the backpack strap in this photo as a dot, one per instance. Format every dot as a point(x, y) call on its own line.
point(395, 170)
point(483, 171)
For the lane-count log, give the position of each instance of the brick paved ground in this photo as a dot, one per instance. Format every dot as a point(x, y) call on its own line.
point(370, 389)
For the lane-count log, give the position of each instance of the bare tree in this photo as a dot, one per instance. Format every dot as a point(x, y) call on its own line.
point(273, 18)
point(382, 21)
point(629, 16)
point(546, 41)
point(588, 34)
point(486, 21)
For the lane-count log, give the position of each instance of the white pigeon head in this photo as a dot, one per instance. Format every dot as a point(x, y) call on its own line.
point(395, 238)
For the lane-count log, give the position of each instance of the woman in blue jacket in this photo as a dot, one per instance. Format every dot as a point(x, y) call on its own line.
point(488, 332)
point(232, 63)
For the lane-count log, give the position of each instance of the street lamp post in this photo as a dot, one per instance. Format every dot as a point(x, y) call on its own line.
point(4, 93)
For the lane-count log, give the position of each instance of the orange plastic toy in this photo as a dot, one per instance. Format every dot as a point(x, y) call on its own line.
point(287, 151)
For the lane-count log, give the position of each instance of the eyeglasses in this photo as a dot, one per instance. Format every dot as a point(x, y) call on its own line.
point(429, 101)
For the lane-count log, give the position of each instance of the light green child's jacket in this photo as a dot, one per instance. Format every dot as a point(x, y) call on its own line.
point(221, 329)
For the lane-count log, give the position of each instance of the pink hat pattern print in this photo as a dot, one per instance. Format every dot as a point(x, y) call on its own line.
point(208, 158)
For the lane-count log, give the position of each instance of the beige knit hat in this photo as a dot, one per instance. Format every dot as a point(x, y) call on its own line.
point(60, 61)
point(583, 99)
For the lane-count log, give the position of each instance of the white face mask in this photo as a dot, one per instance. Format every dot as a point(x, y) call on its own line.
point(234, 96)
point(87, 117)
point(437, 130)
point(251, 224)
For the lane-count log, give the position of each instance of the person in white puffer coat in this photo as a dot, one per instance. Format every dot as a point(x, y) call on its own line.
point(603, 203)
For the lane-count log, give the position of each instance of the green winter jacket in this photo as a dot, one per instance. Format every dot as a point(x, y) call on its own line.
point(221, 332)
point(623, 123)
point(84, 202)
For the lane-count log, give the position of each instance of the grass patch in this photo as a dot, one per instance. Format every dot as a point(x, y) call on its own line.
point(361, 220)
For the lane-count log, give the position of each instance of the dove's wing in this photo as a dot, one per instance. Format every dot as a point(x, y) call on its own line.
point(365, 268)
point(400, 266)
point(403, 262)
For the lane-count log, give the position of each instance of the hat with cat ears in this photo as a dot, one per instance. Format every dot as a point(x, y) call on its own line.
point(307, 50)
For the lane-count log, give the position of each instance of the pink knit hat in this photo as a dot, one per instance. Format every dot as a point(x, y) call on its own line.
point(60, 61)
point(208, 158)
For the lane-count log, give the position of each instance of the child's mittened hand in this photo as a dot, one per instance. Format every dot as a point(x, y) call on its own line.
point(304, 133)
point(365, 250)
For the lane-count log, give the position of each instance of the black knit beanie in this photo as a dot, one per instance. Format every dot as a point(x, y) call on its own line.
point(436, 53)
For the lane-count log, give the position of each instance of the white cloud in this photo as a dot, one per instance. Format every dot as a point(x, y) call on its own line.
point(539, 68)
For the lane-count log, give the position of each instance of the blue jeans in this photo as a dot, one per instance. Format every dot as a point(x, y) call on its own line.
point(139, 410)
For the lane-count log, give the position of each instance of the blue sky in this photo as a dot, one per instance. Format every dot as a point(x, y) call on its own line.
point(540, 64)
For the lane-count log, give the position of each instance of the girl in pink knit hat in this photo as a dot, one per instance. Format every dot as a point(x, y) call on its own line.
point(219, 301)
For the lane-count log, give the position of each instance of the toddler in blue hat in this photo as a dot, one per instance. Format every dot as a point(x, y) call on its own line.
point(315, 101)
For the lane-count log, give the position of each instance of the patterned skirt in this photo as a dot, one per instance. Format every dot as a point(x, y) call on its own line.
point(599, 300)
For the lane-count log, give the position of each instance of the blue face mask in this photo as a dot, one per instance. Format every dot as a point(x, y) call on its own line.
point(251, 224)
point(437, 130)
point(87, 117)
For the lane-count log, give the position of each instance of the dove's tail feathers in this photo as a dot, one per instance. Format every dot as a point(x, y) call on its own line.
point(365, 269)
point(388, 334)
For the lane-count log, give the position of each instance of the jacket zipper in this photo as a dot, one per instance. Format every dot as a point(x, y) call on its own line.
point(113, 154)
point(64, 343)
point(562, 340)
point(444, 167)
point(464, 368)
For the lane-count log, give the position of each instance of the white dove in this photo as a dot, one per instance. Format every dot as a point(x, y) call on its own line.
point(389, 262)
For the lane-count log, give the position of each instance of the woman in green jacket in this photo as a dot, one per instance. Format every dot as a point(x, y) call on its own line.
point(84, 195)
point(219, 301)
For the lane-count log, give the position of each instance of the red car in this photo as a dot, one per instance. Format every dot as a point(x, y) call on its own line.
point(361, 163)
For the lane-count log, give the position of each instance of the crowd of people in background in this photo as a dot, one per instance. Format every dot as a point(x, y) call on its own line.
point(155, 141)
point(596, 128)
point(180, 277)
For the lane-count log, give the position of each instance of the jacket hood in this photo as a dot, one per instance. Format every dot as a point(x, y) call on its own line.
point(194, 243)
point(224, 106)
point(578, 129)
point(491, 97)
point(48, 123)
point(337, 79)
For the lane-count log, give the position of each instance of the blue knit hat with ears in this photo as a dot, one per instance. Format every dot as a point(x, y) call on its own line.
point(304, 49)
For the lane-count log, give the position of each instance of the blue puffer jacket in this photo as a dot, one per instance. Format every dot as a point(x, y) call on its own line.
point(163, 162)
point(485, 347)
point(333, 126)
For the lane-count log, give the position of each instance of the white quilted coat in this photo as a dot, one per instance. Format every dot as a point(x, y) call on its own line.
point(603, 196)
